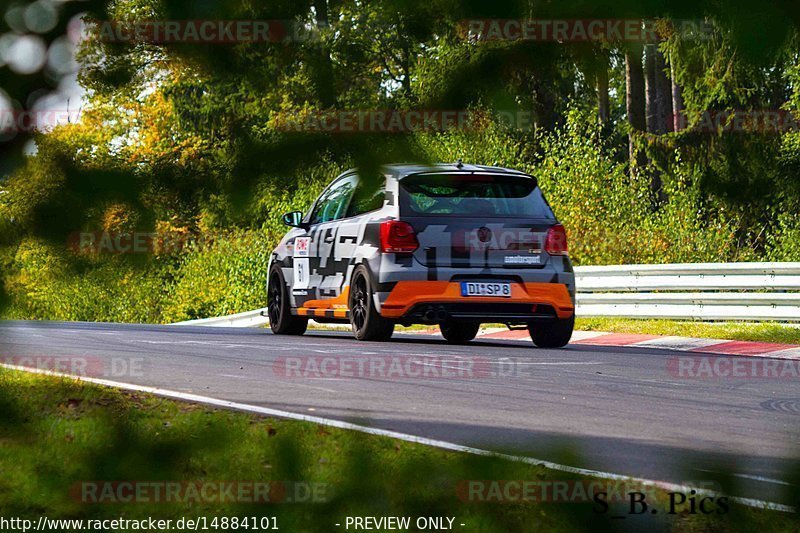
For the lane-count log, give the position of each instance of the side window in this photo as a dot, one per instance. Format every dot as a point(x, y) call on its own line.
point(333, 202)
point(369, 196)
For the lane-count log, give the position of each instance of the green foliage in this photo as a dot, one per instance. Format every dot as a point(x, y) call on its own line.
point(222, 275)
point(276, 195)
point(225, 276)
point(784, 243)
point(47, 283)
point(607, 215)
point(747, 177)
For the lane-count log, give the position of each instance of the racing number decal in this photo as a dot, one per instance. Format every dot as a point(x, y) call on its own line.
point(300, 263)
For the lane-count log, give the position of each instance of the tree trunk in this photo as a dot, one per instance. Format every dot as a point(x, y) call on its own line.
point(655, 106)
point(602, 92)
point(650, 101)
point(659, 118)
point(325, 89)
point(634, 102)
point(634, 86)
point(405, 67)
point(663, 95)
point(677, 100)
point(544, 102)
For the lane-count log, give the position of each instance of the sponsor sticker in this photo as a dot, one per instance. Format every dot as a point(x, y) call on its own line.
point(301, 246)
point(522, 259)
point(300, 264)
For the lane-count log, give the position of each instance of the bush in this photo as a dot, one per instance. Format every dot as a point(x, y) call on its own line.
point(608, 216)
point(784, 243)
point(276, 195)
point(47, 284)
point(225, 277)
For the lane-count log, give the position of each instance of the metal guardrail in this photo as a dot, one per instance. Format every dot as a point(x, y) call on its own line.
point(701, 291)
point(248, 319)
point(689, 291)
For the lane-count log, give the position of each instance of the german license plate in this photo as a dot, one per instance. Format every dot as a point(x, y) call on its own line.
point(476, 288)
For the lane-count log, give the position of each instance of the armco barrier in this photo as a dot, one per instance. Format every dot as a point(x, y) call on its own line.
point(689, 291)
point(248, 319)
point(700, 291)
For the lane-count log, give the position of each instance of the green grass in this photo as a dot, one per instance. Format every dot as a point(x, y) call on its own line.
point(745, 331)
point(56, 433)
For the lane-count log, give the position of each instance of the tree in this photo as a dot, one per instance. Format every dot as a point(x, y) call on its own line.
point(676, 98)
point(651, 101)
point(635, 104)
point(663, 94)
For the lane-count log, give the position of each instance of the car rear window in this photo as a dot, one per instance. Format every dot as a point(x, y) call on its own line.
point(472, 195)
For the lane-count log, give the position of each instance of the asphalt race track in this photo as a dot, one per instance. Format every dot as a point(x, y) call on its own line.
point(617, 410)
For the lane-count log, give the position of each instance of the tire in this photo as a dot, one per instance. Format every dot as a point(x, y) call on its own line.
point(553, 334)
point(281, 320)
point(459, 332)
point(367, 323)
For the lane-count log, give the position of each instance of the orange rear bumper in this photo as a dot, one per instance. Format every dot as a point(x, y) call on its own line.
point(407, 294)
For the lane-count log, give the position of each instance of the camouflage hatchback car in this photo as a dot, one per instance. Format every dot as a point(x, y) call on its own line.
point(454, 245)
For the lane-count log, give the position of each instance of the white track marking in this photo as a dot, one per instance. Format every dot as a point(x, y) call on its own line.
point(763, 479)
point(583, 335)
point(754, 478)
point(284, 382)
point(791, 353)
point(681, 344)
point(221, 344)
point(672, 487)
point(556, 363)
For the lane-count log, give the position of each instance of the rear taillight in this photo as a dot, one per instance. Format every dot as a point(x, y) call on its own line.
point(556, 241)
point(398, 237)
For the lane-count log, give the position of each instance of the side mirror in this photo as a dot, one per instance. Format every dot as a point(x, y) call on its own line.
point(293, 219)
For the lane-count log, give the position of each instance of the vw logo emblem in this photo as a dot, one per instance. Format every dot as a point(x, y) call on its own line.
point(484, 234)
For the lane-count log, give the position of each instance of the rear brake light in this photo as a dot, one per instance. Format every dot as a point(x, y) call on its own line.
point(556, 241)
point(398, 237)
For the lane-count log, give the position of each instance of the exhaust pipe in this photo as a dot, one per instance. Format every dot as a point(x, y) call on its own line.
point(441, 315)
point(430, 314)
